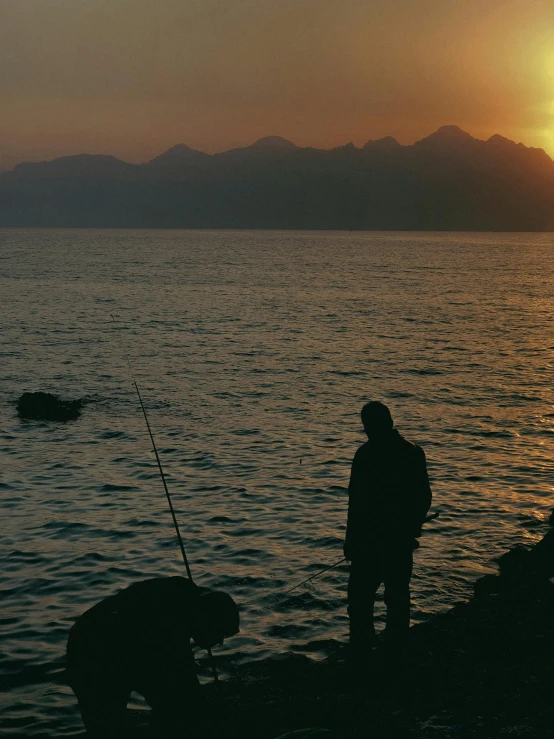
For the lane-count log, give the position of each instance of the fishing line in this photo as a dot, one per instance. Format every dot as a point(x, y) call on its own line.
point(430, 517)
point(286, 592)
point(181, 545)
point(308, 579)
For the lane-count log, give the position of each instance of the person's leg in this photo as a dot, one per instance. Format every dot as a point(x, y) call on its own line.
point(99, 686)
point(397, 574)
point(103, 706)
point(363, 583)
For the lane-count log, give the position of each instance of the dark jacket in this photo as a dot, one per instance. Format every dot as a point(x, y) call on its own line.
point(137, 635)
point(389, 495)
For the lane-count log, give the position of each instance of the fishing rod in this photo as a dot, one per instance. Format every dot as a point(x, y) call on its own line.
point(286, 592)
point(313, 577)
point(181, 545)
point(430, 517)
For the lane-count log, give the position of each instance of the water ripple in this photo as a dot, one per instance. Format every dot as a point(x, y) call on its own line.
point(253, 376)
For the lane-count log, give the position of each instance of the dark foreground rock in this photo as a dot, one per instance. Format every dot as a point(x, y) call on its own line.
point(484, 669)
point(48, 407)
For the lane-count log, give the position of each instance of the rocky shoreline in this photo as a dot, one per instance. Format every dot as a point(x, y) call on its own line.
point(483, 669)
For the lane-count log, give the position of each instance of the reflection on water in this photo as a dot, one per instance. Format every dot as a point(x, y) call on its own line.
point(254, 352)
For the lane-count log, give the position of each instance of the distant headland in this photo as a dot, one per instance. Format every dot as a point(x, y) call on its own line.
point(447, 181)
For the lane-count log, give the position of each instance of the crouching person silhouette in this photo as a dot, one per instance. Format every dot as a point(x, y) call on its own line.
point(139, 639)
point(389, 496)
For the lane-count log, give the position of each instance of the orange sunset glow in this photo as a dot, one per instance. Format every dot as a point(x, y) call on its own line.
point(133, 77)
point(276, 378)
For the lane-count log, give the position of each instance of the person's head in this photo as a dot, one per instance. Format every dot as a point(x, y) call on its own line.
point(376, 419)
point(215, 617)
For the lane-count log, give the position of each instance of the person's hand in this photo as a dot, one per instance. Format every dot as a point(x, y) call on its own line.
point(208, 643)
point(347, 551)
point(207, 639)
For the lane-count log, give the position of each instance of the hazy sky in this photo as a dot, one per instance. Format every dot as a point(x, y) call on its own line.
point(133, 77)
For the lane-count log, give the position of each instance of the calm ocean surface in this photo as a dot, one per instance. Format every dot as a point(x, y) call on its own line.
point(254, 352)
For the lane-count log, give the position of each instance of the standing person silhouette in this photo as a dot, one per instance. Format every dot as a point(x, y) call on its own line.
point(389, 496)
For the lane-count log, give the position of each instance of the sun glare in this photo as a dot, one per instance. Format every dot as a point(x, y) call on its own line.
point(547, 133)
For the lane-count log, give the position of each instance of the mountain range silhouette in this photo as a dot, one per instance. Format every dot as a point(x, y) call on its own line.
point(447, 181)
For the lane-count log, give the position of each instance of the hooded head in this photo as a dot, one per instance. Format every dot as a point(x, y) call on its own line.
point(215, 617)
point(376, 419)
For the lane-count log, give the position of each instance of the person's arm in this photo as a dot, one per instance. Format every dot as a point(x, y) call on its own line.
point(355, 488)
point(422, 490)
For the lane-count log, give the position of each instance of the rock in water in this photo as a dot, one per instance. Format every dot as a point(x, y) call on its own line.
point(48, 407)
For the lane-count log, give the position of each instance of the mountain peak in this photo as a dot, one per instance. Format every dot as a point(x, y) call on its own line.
point(176, 153)
point(75, 164)
point(498, 140)
point(383, 144)
point(447, 135)
point(349, 147)
point(509, 148)
point(273, 142)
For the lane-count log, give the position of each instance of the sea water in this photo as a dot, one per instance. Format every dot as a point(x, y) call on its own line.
point(254, 352)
